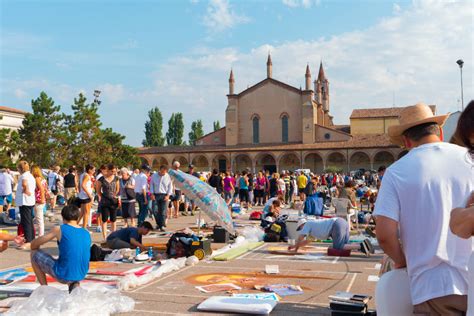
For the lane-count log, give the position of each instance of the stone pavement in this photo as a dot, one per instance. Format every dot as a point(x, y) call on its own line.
point(175, 293)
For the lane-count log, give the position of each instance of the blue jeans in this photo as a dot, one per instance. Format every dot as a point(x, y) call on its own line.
point(159, 209)
point(143, 209)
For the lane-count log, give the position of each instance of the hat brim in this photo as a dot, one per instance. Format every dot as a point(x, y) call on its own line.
point(395, 132)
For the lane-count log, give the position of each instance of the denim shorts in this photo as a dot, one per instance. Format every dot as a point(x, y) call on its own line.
point(6, 198)
point(340, 234)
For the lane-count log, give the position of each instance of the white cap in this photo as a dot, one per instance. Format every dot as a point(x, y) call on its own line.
point(300, 224)
point(269, 219)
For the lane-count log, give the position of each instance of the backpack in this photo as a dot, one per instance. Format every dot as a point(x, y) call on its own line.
point(98, 254)
point(175, 248)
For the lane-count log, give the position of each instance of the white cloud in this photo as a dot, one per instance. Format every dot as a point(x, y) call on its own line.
point(301, 3)
point(20, 93)
point(112, 93)
point(396, 8)
point(220, 16)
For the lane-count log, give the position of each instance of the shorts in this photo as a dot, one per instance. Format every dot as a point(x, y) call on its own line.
point(85, 201)
point(128, 210)
point(108, 211)
point(176, 196)
point(46, 264)
point(340, 233)
point(258, 193)
point(6, 198)
point(300, 190)
point(227, 195)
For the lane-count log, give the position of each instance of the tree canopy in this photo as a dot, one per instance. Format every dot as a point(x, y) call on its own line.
point(153, 129)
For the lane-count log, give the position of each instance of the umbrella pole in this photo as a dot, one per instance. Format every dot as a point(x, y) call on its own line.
point(199, 222)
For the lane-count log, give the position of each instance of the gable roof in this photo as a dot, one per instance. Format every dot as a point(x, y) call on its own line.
point(381, 112)
point(265, 81)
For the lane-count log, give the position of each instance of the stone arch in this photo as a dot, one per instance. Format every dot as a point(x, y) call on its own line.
point(159, 161)
point(266, 161)
point(313, 162)
point(220, 162)
point(359, 160)
point(242, 162)
point(289, 161)
point(337, 160)
point(383, 158)
point(201, 163)
point(182, 161)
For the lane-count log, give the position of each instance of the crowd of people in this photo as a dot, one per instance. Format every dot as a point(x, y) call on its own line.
point(423, 208)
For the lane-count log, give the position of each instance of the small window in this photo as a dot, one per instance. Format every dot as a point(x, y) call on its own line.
point(256, 136)
point(284, 129)
point(327, 136)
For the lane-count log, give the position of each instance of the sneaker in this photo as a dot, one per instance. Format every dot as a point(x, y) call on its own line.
point(162, 229)
point(369, 245)
point(98, 229)
point(72, 286)
point(184, 214)
point(364, 249)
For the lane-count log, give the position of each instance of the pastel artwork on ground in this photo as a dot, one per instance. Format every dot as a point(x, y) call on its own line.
point(205, 197)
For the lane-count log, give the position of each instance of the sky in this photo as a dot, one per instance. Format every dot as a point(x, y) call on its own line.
point(177, 55)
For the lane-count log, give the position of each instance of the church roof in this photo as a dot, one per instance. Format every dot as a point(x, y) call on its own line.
point(381, 112)
point(12, 110)
point(357, 142)
point(264, 81)
point(321, 75)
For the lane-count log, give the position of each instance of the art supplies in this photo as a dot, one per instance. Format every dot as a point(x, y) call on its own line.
point(211, 288)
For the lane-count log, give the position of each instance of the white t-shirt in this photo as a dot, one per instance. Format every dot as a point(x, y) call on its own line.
point(6, 181)
point(419, 191)
point(23, 199)
point(141, 183)
point(83, 194)
point(53, 179)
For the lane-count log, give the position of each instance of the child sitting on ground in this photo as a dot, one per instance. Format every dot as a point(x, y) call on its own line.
point(74, 244)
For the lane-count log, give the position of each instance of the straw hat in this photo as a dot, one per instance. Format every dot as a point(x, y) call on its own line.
point(412, 116)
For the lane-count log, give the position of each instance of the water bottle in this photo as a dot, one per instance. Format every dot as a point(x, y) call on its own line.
point(150, 252)
point(137, 251)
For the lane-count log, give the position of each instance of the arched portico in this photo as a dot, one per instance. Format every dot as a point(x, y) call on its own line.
point(289, 162)
point(359, 160)
point(266, 161)
point(313, 162)
point(336, 160)
point(383, 158)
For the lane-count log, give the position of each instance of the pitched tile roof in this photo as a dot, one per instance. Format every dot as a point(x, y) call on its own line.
point(381, 112)
point(12, 110)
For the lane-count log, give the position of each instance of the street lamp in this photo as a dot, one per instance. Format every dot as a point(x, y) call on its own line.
point(96, 97)
point(460, 62)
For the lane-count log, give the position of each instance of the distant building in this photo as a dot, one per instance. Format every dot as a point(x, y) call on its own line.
point(11, 118)
point(274, 126)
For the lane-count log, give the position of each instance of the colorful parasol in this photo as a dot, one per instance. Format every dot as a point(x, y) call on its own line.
point(205, 197)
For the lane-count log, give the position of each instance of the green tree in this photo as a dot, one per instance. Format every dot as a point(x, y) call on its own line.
point(84, 124)
point(196, 132)
point(153, 129)
point(42, 134)
point(116, 152)
point(9, 141)
point(174, 136)
point(217, 125)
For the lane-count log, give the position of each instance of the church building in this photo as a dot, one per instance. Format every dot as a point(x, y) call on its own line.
point(275, 126)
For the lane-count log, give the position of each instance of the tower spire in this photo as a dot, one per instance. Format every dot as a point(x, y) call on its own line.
point(269, 66)
point(308, 78)
point(321, 75)
point(231, 82)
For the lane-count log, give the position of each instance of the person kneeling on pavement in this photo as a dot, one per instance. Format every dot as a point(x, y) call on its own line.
point(130, 237)
point(336, 228)
point(74, 244)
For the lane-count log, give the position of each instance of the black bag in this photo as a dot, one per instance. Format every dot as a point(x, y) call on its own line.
point(175, 248)
point(131, 194)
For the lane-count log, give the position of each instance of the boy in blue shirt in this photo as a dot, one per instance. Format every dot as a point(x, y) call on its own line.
point(74, 244)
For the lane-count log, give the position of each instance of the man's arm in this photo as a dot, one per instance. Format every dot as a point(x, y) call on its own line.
point(301, 242)
point(387, 236)
point(462, 222)
point(136, 244)
point(38, 242)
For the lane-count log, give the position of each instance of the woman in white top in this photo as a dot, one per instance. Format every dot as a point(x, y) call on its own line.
point(40, 198)
point(85, 194)
point(25, 200)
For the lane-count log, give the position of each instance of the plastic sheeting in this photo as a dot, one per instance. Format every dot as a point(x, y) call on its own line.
point(131, 281)
point(228, 304)
point(50, 301)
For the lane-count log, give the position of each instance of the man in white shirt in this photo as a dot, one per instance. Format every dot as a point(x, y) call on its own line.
point(141, 189)
point(417, 195)
point(25, 200)
point(6, 189)
point(161, 188)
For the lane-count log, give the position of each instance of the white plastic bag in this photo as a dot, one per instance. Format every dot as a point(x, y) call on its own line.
point(50, 301)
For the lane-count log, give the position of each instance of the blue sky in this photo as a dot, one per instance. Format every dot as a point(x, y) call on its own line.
point(177, 54)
